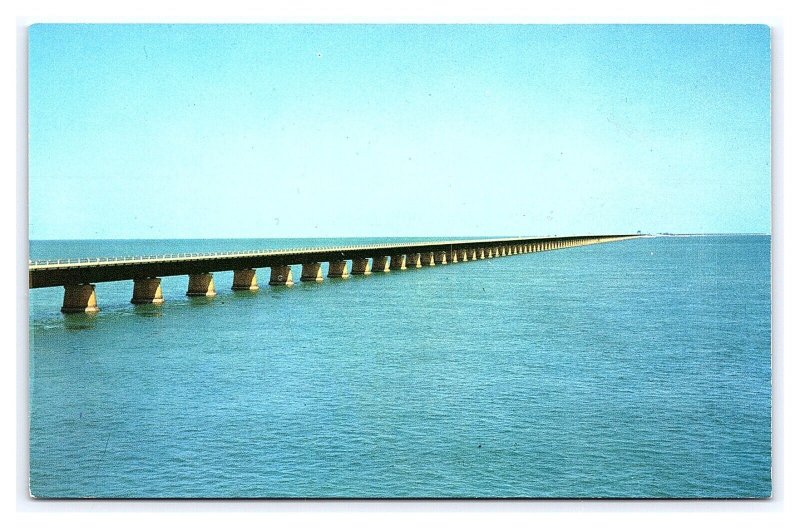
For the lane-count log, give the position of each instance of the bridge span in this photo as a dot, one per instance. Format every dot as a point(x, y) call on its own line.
point(79, 276)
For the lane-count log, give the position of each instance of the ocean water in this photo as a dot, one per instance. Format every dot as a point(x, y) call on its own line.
point(639, 368)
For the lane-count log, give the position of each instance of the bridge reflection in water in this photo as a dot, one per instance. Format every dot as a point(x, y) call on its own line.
point(78, 276)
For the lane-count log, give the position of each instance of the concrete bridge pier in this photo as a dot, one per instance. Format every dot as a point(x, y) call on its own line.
point(147, 291)
point(360, 267)
point(473, 254)
point(427, 259)
point(337, 269)
point(312, 272)
point(380, 264)
point(414, 260)
point(453, 256)
point(462, 255)
point(280, 276)
point(201, 285)
point(440, 257)
point(398, 262)
point(481, 253)
point(244, 280)
point(79, 298)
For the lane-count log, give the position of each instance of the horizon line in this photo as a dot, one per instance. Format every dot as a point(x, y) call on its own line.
point(660, 234)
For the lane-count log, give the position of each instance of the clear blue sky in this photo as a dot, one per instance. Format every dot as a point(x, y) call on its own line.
point(205, 131)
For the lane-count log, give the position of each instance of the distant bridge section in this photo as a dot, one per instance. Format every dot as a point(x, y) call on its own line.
point(78, 276)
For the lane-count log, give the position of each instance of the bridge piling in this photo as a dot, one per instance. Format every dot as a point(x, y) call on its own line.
point(380, 264)
point(312, 272)
point(280, 276)
point(147, 291)
point(337, 269)
point(414, 260)
point(398, 262)
point(244, 280)
point(79, 298)
point(201, 285)
point(360, 266)
point(427, 259)
point(440, 257)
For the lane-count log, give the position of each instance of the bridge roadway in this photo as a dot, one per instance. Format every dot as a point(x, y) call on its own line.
point(78, 276)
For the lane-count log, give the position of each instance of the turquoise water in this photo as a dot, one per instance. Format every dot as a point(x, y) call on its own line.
point(630, 369)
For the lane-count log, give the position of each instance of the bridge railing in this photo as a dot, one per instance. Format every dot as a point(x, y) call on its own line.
point(213, 254)
point(216, 254)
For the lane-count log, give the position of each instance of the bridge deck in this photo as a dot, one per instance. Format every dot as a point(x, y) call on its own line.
point(80, 271)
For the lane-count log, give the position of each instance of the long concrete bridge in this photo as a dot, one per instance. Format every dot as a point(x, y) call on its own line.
point(78, 276)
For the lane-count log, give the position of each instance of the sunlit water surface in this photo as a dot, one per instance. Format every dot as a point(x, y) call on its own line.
point(631, 369)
